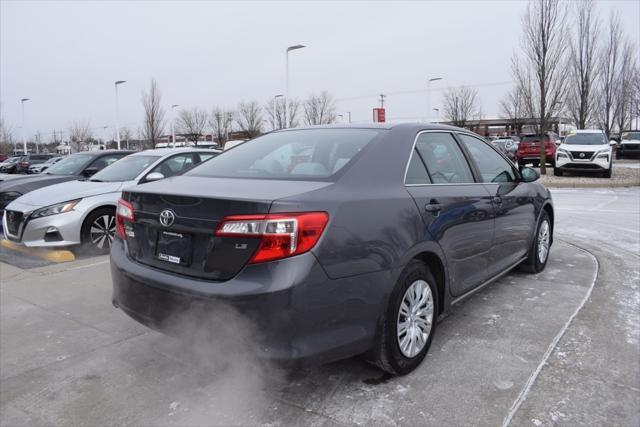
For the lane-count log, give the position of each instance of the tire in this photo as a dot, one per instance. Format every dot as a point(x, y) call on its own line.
point(534, 263)
point(557, 172)
point(387, 353)
point(94, 240)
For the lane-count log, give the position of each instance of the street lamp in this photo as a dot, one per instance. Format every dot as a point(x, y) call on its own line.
point(433, 79)
point(118, 82)
point(275, 116)
point(24, 133)
point(437, 110)
point(173, 125)
point(286, 96)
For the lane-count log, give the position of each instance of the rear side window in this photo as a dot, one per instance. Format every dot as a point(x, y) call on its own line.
point(492, 167)
point(416, 171)
point(297, 155)
point(444, 159)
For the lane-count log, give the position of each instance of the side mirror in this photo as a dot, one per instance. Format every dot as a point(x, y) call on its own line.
point(529, 174)
point(154, 176)
point(89, 171)
point(613, 142)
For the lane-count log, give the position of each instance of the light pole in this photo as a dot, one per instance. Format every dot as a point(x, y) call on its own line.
point(173, 125)
point(119, 82)
point(437, 110)
point(349, 113)
point(286, 93)
point(341, 118)
point(433, 79)
point(275, 115)
point(24, 132)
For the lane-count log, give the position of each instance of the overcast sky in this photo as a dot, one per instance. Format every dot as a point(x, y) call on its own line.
point(65, 56)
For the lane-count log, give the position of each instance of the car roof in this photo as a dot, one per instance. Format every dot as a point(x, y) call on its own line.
point(168, 151)
point(586, 131)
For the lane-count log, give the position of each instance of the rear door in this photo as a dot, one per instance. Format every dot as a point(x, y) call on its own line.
point(513, 205)
point(456, 210)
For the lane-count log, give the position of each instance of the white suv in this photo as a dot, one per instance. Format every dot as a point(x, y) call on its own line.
point(584, 151)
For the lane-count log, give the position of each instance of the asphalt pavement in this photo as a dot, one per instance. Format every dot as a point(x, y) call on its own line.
point(557, 348)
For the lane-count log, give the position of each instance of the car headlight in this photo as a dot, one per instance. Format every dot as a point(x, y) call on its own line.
point(8, 197)
point(562, 152)
point(603, 153)
point(55, 209)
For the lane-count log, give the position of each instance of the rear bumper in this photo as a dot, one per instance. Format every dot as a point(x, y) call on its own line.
point(287, 310)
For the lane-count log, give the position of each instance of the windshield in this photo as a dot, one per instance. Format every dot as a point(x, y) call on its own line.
point(72, 165)
point(585, 139)
point(297, 155)
point(125, 169)
point(52, 160)
point(631, 135)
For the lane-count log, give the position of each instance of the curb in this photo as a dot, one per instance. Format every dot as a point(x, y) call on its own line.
point(51, 255)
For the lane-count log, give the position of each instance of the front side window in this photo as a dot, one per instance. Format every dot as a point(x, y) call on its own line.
point(492, 167)
point(444, 159)
point(125, 169)
point(174, 165)
point(297, 155)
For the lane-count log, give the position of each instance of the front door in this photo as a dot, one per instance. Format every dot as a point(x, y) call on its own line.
point(456, 210)
point(513, 206)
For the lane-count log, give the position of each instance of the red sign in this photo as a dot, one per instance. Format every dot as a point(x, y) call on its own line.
point(378, 115)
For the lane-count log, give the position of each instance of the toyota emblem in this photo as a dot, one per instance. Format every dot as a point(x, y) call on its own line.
point(167, 217)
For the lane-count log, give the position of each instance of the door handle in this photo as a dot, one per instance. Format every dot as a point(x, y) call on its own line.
point(433, 207)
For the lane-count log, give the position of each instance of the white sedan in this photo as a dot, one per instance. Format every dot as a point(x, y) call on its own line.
point(83, 212)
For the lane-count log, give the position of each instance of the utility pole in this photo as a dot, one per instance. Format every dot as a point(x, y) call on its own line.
point(349, 113)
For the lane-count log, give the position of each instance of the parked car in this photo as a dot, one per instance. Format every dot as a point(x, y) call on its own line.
point(41, 167)
point(83, 212)
point(529, 148)
point(585, 151)
point(22, 165)
point(508, 145)
point(233, 143)
point(629, 144)
point(10, 164)
point(3, 157)
point(76, 166)
point(334, 241)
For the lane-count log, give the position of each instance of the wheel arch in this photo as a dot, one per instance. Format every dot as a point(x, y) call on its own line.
point(436, 266)
point(93, 209)
point(549, 210)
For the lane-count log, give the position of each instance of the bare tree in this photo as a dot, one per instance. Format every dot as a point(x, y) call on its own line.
point(625, 88)
point(249, 118)
point(126, 134)
point(583, 64)
point(7, 140)
point(320, 109)
point(221, 122)
point(79, 133)
point(513, 107)
point(280, 112)
point(541, 74)
point(460, 105)
point(192, 123)
point(609, 62)
point(153, 114)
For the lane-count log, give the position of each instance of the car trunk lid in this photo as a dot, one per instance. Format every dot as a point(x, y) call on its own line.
point(174, 223)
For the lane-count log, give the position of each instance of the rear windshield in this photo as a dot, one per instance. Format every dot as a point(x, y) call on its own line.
point(125, 169)
point(530, 138)
point(585, 139)
point(297, 155)
point(72, 165)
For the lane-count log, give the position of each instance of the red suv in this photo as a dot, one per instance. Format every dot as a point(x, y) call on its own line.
point(529, 148)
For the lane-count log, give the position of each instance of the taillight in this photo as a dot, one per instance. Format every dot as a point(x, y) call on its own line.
point(124, 212)
point(281, 235)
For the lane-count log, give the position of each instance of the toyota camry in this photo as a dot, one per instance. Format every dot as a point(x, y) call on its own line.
point(332, 241)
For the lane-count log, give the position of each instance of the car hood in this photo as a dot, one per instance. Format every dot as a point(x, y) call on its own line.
point(588, 148)
point(66, 191)
point(630, 141)
point(27, 183)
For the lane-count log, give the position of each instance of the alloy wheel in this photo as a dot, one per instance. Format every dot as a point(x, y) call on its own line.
point(543, 241)
point(415, 318)
point(102, 231)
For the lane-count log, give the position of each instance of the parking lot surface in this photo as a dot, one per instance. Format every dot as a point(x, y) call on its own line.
point(560, 347)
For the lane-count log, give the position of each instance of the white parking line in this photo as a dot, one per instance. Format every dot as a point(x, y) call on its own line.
point(88, 265)
point(534, 375)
